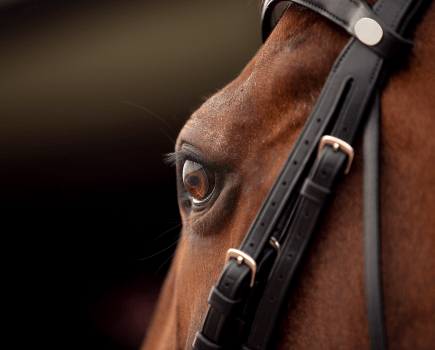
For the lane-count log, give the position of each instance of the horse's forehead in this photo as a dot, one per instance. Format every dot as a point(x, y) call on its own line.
point(225, 125)
point(247, 116)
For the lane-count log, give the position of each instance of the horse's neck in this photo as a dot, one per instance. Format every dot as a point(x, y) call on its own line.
point(407, 197)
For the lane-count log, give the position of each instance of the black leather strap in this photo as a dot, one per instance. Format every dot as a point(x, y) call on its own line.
point(219, 301)
point(372, 232)
point(202, 343)
point(326, 172)
point(345, 16)
point(263, 325)
point(268, 17)
point(347, 106)
point(284, 215)
point(315, 192)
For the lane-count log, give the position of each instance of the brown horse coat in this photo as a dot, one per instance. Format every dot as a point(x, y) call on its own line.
point(247, 130)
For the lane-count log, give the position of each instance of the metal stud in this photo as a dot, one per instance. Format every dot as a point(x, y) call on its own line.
point(368, 31)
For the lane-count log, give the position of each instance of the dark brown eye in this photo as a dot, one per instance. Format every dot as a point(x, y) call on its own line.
point(198, 181)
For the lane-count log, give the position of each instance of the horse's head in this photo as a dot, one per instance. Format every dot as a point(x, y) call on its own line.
point(227, 157)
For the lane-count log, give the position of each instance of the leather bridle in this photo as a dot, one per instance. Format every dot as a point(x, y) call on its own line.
point(245, 304)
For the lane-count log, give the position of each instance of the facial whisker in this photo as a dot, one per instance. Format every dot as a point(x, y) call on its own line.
point(152, 113)
point(167, 135)
point(167, 231)
point(168, 258)
point(157, 252)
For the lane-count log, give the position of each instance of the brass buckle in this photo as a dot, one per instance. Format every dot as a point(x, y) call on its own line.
point(242, 258)
point(337, 144)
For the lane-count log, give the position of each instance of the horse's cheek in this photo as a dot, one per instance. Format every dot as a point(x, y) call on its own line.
point(198, 267)
point(161, 334)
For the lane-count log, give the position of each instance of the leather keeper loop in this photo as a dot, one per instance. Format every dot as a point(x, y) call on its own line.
point(315, 192)
point(202, 343)
point(222, 303)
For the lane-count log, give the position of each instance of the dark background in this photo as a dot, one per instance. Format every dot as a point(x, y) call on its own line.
point(92, 95)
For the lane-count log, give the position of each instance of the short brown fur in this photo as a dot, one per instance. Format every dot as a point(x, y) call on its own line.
point(248, 128)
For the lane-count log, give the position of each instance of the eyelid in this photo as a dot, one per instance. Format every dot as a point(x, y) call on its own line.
point(179, 157)
point(205, 200)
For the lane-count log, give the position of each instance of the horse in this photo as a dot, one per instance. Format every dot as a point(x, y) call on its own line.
point(235, 145)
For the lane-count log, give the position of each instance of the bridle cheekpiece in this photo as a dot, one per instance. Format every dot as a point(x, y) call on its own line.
point(246, 302)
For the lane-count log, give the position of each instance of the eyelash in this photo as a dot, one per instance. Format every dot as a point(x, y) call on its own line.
point(180, 157)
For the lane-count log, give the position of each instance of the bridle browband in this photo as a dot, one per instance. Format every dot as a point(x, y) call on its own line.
point(246, 303)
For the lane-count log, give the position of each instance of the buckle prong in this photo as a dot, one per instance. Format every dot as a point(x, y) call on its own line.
point(243, 258)
point(337, 144)
point(275, 244)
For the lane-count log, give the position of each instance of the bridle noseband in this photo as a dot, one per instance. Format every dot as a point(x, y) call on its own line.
point(246, 302)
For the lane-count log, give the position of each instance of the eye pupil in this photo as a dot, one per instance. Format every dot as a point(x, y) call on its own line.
point(197, 180)
point(193, 180)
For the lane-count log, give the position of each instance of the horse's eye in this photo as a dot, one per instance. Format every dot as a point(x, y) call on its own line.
point(199, 182)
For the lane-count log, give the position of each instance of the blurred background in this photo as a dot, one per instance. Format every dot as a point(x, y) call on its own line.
point(92, 95)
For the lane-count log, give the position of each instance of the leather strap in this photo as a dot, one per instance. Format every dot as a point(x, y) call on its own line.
point(223, 304)
point(372, 232)
point(347, 16)
point(292, 200)
point(263, 325)
point(325, 174)
point(285, 193)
